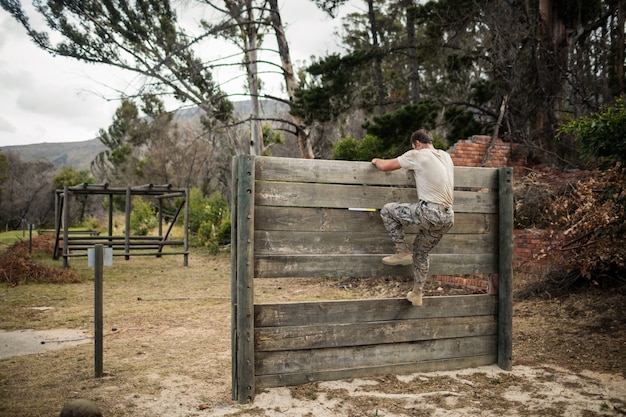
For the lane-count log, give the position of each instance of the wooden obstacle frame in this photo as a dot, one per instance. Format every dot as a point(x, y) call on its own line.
point(72, 243)
point(298, 218)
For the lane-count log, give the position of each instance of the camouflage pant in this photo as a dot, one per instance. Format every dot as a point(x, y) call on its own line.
point(431, 224)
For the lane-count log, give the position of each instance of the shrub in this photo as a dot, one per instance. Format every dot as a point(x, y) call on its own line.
point(142, 217)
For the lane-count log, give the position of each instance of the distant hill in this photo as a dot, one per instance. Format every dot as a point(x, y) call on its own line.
point(80, 154)
point(65, 154)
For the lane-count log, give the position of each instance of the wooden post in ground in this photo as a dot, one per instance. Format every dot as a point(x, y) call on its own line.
point(243, 290)
point(98, 298)
point(505, 274)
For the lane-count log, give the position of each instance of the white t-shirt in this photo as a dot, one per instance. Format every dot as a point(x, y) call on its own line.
point(434, 174)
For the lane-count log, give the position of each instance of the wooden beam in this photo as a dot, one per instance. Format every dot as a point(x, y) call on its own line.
point(505, 274)
point(245, 280)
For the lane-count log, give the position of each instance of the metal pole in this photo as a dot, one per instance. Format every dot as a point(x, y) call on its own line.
point(98, 322)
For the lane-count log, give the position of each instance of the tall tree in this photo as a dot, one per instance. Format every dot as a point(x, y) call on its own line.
point(143, 37)
point(151, 146)
point(302, 132)
point(509, 68)
point(27, 195)
point(246, 32)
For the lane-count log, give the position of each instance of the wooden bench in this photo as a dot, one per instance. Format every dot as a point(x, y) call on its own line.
point(296, 218)
point(71, 232)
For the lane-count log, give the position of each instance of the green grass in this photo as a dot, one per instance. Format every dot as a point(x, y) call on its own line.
point(9, 238)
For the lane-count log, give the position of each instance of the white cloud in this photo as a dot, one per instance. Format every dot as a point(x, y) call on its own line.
point(6, 126)
point(53, 99)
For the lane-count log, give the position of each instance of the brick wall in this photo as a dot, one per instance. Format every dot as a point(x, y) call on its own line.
point(470, 153)
point(528, 245)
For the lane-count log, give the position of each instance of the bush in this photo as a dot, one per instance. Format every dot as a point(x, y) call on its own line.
point(142, 217)
point(209, 219)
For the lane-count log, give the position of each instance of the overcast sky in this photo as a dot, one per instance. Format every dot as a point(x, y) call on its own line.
point(57, 99)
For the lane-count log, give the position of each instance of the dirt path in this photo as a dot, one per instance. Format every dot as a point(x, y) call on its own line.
point(167, 353)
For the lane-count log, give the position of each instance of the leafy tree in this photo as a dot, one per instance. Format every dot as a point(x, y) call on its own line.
point(332, 89)
point(509, 67)
point(389, 134)
point(143, 37)
point(601, 137)
point(152, 147)
point(127, 132)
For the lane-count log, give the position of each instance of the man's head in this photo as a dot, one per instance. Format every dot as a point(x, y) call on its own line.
point(421, 136)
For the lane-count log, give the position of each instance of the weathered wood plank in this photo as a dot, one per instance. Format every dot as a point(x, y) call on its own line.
point(244, 286)
point(361, 242)
point(280, 380)
point(311, 266)
point(371, 333)
point(342, 172)
point(233, 277)
point(294, 219)
point(356, 196)
point(505, 275)
point(316, 360)
point(363, 311)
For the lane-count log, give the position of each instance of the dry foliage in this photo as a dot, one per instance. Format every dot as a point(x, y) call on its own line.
point(18, 264)
point(585, 212)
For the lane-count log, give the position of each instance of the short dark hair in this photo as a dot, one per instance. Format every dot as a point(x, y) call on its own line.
point(422, 136)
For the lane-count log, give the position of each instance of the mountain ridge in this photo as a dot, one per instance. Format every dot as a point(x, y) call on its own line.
point(79, 154)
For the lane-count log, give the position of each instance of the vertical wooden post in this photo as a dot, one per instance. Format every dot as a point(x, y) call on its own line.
point(234, 186)
point(98, 297)
point(110, 220)
point(66, 225)
point(505, 274)
point(244, 287)
point(186, 229)
point(57, 223)
point(129, 207)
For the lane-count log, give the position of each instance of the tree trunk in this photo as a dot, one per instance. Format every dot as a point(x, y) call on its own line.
point(552, 63)
point(378, 72)
point(414, 80)
point(251, 42)
point(619, 61)
point(304, 143)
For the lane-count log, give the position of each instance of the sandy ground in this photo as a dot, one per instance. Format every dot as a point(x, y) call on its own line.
point(552, 390)
point(26, 342)
point(544, 391)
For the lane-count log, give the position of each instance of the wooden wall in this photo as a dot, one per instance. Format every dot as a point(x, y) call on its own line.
point(319, 218)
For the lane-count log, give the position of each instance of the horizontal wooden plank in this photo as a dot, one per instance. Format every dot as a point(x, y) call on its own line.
point(371, 333)
point(317, 360)
point(342, 220)
point(316, 266)
point(327, 171)
point(361, 242)
point(358, 196)
point(350, 172)
point(281, 380)
point(363, 311)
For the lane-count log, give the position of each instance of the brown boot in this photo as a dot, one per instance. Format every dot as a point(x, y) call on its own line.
point(415, 296)
point(403, 256)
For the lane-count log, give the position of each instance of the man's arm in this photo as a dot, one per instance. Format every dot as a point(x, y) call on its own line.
point(386, 164)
